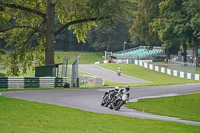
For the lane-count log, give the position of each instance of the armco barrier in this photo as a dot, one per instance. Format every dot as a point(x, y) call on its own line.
point(31, 82)
point(162, 69)
point(165, 70)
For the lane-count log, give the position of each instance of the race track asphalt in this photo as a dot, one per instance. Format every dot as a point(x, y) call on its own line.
point(89, 99)
point(108, 74)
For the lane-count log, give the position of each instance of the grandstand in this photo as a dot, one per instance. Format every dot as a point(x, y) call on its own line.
point(142, 52)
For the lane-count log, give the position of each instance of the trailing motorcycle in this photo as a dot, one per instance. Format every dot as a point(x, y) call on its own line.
point(104, 99)
point(109, 97)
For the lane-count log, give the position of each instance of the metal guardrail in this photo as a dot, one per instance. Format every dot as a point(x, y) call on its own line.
point(31, 82)
point(182, 66)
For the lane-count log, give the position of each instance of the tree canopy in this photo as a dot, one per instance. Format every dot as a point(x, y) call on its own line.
point(38, 19)
point(170, 22)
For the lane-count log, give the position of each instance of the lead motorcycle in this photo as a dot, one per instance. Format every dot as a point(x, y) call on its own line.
point(121, 99)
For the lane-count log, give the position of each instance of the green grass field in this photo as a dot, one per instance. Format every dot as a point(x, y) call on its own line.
point(198, 70)
point(19, 116)
point(155, 78)
point(86, 58)
point(186, 107)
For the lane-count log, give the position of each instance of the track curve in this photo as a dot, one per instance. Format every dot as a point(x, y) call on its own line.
point(89, 100)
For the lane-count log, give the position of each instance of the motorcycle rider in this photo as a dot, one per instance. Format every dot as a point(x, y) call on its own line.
point(120, 92)
point(114, 91)
point(119, 71)
point(125, 90)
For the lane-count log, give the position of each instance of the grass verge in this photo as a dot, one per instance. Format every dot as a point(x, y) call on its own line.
point(21, 116)
point(155, 78)
point(86, 57)
point(185, 107)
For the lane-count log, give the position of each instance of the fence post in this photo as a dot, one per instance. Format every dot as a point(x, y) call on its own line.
point(74, 76)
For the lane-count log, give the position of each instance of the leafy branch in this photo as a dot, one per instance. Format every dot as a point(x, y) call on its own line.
point(31, 34)
point(76, 22)
point(13, 27)
point(24, 9)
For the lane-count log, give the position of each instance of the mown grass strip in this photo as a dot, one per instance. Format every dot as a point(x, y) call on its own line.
point(156, 78)
point(186, 107)
point(21, 116)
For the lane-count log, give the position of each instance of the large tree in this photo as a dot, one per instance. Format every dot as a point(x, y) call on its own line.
point(169, 25)
point(192, 9)
point(146, 12)
point(174, 24)
point(28, 18)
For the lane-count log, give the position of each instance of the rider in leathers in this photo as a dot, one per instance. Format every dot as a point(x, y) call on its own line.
point(112, 92)
point(120, 92)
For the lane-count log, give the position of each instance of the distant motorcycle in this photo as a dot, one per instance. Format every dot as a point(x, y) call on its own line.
point(119, 72)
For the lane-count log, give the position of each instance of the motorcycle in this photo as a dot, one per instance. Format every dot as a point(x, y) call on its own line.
point(111, 98)
point(104, 99)
point(108, 97)
point(119, 72)
point(119, 101)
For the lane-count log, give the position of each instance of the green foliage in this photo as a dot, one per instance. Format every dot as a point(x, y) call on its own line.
point(185, 107)
point(192, 9)
point(24, 116)
point(171, 22)
point(2, 75)
point(26, 19)
point(171, 25)
point(109, 37)
point(135, 41)
point(146, 12)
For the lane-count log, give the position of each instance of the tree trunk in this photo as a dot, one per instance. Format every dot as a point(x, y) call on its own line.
point(184, 52)
point(49, 46)
point(195, 48)
point(195, 51)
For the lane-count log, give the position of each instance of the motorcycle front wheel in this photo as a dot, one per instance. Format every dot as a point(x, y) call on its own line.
point(119, 104)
